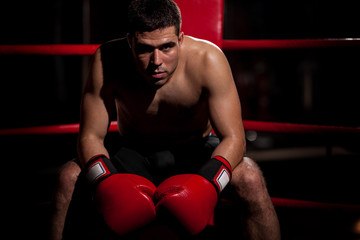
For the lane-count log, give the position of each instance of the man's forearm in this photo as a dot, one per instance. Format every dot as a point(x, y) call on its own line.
point(231, 148)
point(88, 147)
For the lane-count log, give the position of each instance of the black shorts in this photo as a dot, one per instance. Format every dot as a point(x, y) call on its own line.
point(157, 165)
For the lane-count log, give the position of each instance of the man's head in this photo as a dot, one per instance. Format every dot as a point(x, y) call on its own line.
point(150, 15)
point(155, 38)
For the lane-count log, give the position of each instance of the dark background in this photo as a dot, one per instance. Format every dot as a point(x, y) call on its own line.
point(315, 86)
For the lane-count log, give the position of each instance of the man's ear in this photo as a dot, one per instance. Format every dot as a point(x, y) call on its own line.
point(181, 38)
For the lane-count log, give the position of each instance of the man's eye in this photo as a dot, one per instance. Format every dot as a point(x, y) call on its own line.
point(167, 47)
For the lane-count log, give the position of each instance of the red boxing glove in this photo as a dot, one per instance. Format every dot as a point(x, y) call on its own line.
point(124, 200)
point(191, 198)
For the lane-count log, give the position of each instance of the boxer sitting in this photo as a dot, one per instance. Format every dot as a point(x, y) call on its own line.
point(169, 91)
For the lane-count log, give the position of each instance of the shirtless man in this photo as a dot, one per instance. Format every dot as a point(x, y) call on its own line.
point(169, 91)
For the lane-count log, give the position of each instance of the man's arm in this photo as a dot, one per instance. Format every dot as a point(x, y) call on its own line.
point(120, 198)
point(224, 107)
point(94, 113)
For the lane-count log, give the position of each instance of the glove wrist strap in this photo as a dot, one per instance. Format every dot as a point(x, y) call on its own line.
point(98, 168)
point(218, 171)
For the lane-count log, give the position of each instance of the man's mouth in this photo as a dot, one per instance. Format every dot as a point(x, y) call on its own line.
point(158, 75)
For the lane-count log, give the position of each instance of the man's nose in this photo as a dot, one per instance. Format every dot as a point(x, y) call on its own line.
point(156, 57)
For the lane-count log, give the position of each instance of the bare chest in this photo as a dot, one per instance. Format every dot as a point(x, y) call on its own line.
point(176, 109)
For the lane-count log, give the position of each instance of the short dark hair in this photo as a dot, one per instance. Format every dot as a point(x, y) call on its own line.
point(149, 15)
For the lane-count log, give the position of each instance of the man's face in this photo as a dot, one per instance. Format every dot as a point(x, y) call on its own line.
point(156, 54)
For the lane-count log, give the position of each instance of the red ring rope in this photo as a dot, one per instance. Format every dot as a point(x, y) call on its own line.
point(50, 49)
point(303, 204)
point(292, 203)
point(260, 126)
point(296, 128)
point(89, 49)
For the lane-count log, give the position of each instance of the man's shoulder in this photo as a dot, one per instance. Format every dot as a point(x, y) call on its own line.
point(201, 50)
point(202, 55)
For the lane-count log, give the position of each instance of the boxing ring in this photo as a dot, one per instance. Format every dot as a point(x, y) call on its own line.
point(211, 14)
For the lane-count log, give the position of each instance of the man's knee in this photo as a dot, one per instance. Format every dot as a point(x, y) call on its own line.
point(67, 178)
point(69, 173)
point(248, 181)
